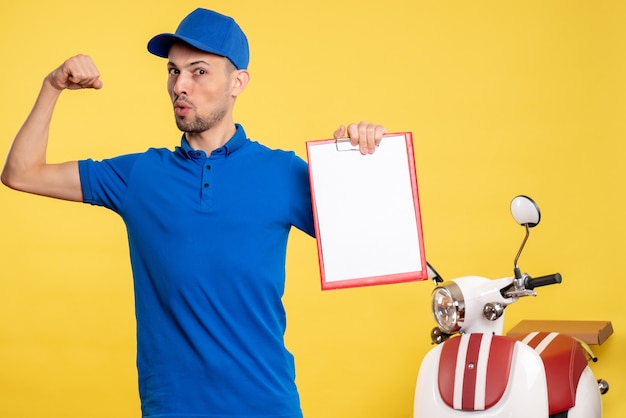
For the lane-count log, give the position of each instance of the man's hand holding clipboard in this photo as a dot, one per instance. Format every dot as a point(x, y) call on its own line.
point(362, 136)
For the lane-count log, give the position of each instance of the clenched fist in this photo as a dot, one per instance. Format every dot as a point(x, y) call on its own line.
point(78, 72)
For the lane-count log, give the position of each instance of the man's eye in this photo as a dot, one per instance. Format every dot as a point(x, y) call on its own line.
point(173, 71)
point(200, 71)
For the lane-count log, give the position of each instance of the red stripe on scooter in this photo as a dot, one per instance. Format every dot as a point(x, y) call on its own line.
point(447, 368)
point(471, 366)
point(499, 369)
point(537, 339)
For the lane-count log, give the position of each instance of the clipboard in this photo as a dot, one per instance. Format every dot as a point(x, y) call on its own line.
point(366, 212)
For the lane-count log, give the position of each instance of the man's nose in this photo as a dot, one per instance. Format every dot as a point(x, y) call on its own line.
point(181, 85)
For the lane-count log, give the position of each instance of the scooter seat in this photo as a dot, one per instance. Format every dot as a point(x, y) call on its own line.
point(564, 363)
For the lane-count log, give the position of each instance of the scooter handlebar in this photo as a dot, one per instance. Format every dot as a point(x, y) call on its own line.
point(543, 281)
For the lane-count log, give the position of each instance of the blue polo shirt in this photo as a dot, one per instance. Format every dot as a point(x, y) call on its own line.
point(207, 237)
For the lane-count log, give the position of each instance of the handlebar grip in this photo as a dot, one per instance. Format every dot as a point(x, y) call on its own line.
point(543, 281)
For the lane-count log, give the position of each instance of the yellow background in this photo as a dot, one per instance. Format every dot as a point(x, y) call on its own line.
point(503, 98)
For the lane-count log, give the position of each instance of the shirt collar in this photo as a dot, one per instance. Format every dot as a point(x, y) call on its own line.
point(233, 144)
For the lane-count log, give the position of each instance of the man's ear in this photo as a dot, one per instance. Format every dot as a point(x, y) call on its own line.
point(240, 81)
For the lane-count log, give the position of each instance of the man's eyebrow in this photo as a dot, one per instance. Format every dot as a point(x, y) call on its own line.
point(190, 64)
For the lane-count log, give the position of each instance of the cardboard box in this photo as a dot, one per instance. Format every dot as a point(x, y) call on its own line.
point(591, 332)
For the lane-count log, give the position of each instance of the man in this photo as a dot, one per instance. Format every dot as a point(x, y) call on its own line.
point(207, 228)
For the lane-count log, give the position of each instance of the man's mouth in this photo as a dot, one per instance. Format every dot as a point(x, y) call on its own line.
point(181, 108)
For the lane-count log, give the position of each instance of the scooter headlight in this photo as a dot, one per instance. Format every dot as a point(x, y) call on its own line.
point(448, 307)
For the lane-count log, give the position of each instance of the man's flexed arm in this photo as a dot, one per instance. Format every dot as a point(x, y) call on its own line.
point(26, 168)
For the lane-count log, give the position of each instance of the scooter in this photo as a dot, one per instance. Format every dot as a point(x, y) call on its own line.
point(475, 371)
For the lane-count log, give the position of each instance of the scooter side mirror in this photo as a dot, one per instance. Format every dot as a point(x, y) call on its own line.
point(525, 211)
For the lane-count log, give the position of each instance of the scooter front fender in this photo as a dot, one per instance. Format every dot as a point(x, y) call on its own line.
point(525, 394)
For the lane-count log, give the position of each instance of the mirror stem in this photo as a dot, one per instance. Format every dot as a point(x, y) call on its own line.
point(516, 269)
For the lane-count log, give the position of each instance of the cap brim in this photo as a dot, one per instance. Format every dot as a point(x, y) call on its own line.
point(160, 44)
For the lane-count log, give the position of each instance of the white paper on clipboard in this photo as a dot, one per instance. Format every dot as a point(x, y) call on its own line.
point(366, 210)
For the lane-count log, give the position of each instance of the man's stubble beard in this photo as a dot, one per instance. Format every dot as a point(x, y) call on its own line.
point(199, 124)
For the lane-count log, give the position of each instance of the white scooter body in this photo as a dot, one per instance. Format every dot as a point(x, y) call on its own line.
point(525, 393)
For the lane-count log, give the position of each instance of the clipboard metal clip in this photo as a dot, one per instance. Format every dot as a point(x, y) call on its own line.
point(343, 144)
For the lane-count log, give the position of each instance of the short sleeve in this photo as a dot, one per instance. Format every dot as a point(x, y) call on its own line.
point(301, 207)
point(104, 183)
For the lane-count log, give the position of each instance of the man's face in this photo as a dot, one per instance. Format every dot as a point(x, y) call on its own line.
point(199, 85)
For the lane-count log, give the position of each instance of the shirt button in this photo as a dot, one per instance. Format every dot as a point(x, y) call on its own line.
point(198, 153)
point(206, 185)
point(208, 167)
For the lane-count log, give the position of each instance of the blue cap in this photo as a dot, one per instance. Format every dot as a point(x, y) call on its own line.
point(207, 31)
